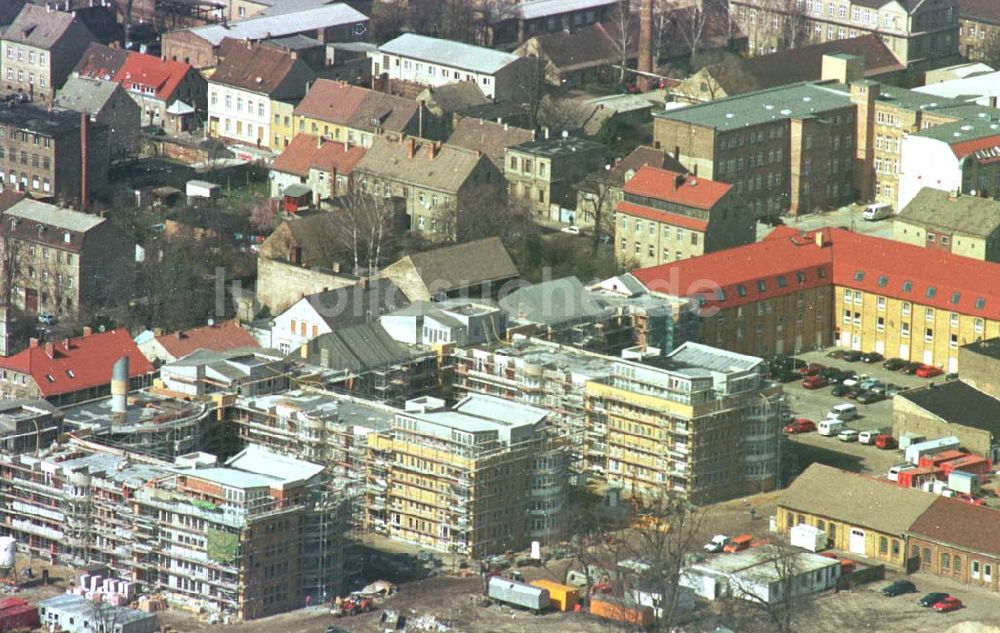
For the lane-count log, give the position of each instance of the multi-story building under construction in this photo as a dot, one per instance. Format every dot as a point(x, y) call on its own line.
point(706, 425)
point(480, 478)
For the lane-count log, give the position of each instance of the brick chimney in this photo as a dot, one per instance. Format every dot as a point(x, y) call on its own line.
point(432, 150)
point(411, 147)
point(50, 349)
point(645, 64)
point(87, 330)
point(32, 342)
point(83, 161)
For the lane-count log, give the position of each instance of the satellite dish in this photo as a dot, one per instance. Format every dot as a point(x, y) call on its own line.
point(211, 322)
point(101, 328)
point(360, 29)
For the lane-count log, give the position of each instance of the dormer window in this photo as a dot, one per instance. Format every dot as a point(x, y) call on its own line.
point(67, 237)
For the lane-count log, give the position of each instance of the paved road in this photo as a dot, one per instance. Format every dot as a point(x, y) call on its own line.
point(848, 217)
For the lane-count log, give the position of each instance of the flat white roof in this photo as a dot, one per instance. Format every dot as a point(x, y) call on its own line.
point(54, 216)
point(279, 25)
point(448, 53)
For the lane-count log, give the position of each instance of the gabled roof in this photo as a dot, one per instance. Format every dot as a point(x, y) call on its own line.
point(82, 364)
point(533, 9)
point(961, 525)
point(466, 265)
point(980, 10)
point(488, 137)
point(957, 402)
point(354, 106)
point(855, 499)
point(679, 188)
point(552, 302)
point(964, 215)
point(249, 66)
point(100, 61)
point(82, 94)
point(448, 53)
point(583, 48)
point(358, 348)
point(307, 152)
point(218, 337)
point(39, 26)
point(448, 171)
point(270, 26)
point(788, 261)
point(149, 71)
point(362, 302)
point(454, 97)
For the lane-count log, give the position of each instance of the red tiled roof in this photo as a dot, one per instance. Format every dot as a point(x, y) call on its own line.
point(149, 71)
point(84, 363)
point(960, 524)
point(220, 337)
point(304, 153)
point(332, 101)
point(674, 219)
point(922, 276)
point(964, 148)
point(662, 184)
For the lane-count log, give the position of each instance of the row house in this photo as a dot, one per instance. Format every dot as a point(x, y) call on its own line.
point(666, 216)
point(543, 173)
point(241, 90)
point(979, 30)
point(38, 50)
point(324, 167)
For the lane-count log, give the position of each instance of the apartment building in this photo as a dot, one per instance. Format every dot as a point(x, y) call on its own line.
point(787, 149)
point(324, 167)
point(979, 30)
point(481, 478)
point(922, 35)
point(961, 225)
point(522, 20)
point(665, 216)
point(57, 154)
point(28, 425)
point(435, 181)
point(170, 94)
point(706, 425)
point(245, 82)
point(542, 173)
point(38, 50)
point(106, 103)
point(429, 61)
point(62, 261)
point(793, 292)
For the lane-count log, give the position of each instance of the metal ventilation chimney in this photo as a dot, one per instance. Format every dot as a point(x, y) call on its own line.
point(119, 389)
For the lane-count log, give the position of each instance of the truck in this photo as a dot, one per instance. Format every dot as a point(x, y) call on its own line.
point(518, 594)
point(914, 452)
point(561, 597)
point(614, 609)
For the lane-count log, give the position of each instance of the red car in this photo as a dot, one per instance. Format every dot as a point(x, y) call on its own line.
point(962, 496)
point(951, 603)
point(811, 369)
point(885, 441)
point(800, 425)
point(929, 371)
point(814, 382)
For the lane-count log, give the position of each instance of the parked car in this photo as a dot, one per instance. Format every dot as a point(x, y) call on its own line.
point(898, 588)
point(928, 371)
point(872, 357)
point(951, 603)
point(893, 474)
point(854, 379)
point(868, 383)
point(848, 435)
point(572, 230)
point(814, 382)
point(811, 369)
point(800, 425)
point(868, 437)
point(835, 353)
point(830, 373)
point(716, 543)
point(738, 543)
point(785, 375)
point(870, 397)
point(851, 356)
point(894, 364)
point(840, 391)
point(854, 392)
point(932, 599)
point(885, 441)
point(910, 368)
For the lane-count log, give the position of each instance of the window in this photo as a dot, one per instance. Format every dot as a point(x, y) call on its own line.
point(930, 292)
point(781, 281)
point(929, 314)
point(880, 304)
point(957, 563)
point(907, 286)
point(883, 545)
point(880, 324)
point(800, 277)
point(929, 335)
point(979, 326)
point(882, 281)
point(761, 286)
point(945, 560)
point(904, 330)
point(980, 303)
point(741, 290)
point(975, 569)
point(859, 276)
point(931, 237)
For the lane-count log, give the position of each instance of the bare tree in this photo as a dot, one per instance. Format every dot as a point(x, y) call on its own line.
point(774, 593)
point(598, 199)
point(622, 34)
point(691, 26)
point(365, 228)
point(794, 24)
point(665, 532)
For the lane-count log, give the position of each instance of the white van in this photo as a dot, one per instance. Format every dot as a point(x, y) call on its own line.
point(895, 470)
point(877, 211)
point(830, 426)
point(843, 412)
point(868, 437)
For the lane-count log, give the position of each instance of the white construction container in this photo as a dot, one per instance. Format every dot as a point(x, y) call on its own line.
point(8, 552)
point(907, 439)
point(202, 189)
point(960, 481)
point(914, 452)
point(808, 537)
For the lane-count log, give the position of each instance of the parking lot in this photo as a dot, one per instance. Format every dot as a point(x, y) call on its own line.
point(813, 404)
point(848, 217)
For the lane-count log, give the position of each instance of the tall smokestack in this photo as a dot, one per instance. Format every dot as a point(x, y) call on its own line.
point(645, 45)
point(119, 390)
point(83, 162)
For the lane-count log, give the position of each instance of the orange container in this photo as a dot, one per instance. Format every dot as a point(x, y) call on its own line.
point(562, 597)
point(611, 609)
